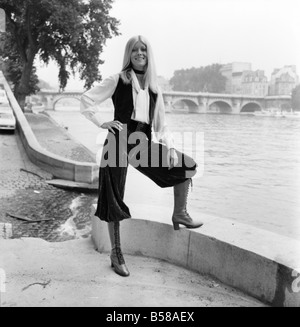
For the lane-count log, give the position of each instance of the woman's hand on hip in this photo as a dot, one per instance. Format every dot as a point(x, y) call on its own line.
point(110, 125)
point(172, 158)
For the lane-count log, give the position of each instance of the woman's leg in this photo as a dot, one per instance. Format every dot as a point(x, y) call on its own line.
point(179, 177)
point(112, 178)
point(111, 207)
point(180, 214)
point(116, 256)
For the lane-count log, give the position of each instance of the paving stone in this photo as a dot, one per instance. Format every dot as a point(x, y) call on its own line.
point(25, 192)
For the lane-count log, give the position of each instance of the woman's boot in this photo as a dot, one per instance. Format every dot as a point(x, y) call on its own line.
point(180, 215)
point(116, 257)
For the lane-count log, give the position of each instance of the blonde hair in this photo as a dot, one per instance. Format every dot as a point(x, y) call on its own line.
point(150, 74)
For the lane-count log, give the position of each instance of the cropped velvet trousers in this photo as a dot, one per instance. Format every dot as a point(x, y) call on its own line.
point(133, 145)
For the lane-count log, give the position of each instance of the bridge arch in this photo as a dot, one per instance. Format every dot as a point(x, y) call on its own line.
point(251, 107)
point(185, 104)
point(64, 96)
point(220, 107)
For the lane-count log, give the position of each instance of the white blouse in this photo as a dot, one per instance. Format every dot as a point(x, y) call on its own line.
point(91, 100)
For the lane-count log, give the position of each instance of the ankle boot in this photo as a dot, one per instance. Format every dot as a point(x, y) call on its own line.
point(116, 256)
point(180, 214)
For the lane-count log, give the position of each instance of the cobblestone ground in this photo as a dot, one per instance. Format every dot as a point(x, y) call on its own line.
point(24, 192)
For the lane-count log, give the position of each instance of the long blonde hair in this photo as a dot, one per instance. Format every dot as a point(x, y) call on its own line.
point(150, 74)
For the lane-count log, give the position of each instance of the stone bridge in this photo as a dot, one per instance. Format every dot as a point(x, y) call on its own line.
point(199, 102)
point(50, 98)
point(222, 103)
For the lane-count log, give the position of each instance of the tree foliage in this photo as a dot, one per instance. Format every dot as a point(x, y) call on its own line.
point(203, 79)
point(70, 32)
point(296, 98)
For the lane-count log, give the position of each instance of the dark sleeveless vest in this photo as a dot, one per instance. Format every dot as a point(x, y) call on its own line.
point(123, 102)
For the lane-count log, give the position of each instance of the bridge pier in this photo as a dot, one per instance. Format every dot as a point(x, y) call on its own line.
point(202, 108)
point(48, 103)
point(236, 106)
point(168, 106)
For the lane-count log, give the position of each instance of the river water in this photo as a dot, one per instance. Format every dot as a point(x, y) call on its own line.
point(251, 167)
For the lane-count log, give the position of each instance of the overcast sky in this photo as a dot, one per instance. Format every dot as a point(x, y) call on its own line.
point(194, 33)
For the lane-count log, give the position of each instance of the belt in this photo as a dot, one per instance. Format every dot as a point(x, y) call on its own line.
point(137, 126)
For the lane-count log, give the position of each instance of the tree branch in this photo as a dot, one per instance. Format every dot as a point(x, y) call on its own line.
point(32, 43)
point(16, 34)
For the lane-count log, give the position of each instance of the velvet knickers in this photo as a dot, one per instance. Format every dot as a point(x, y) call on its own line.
point(133, 145)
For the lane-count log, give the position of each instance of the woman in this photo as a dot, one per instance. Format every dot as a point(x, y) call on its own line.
point(139, 111)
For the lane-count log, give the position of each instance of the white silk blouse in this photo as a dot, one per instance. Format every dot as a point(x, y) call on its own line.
point(91, 99)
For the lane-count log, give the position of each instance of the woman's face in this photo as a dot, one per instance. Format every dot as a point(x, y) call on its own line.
point(139, 56)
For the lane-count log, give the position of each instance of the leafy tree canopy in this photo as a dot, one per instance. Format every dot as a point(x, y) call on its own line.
point(70, 32)
point(203, 79)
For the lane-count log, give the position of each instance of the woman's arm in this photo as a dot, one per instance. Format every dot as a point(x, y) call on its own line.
point(90, 100)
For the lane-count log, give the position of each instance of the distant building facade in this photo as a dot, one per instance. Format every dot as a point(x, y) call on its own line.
point(234, 75)
point(255, 83)
point(283, 80)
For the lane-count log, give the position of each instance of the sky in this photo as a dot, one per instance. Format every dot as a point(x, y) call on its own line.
point(195, 33)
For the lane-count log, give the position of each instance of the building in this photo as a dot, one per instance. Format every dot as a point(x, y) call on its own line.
point(255, 83)
point(234, 74)
point(283, 80)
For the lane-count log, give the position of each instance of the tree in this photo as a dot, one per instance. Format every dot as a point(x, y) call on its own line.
point(203, 79)
point(296, 98)
point(70, 32)
point(12, 67)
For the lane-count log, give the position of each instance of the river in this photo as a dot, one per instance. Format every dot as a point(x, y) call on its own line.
point(251, 167)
